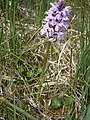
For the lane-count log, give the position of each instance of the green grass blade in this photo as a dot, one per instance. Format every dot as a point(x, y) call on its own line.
point(14, 108)
point(12, 25)
point(21, 111)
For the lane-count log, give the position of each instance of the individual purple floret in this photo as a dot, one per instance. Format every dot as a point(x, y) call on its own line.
point(55, 23)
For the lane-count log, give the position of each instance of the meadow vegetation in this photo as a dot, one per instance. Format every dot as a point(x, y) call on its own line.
point(65, 91)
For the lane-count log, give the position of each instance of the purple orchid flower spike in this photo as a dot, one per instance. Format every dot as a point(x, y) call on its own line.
point(55, 23)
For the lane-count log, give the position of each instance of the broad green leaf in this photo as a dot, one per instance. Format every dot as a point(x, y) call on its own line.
point(68, 100)
point(29, 73)
point(56, 102)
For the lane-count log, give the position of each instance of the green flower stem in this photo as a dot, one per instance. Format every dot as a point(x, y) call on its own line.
point(43, 68)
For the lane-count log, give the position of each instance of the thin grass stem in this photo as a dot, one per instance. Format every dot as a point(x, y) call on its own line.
point(43, 69)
